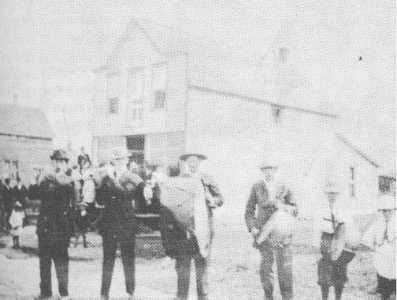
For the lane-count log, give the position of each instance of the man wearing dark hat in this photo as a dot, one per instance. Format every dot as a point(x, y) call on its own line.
point(118, 190)
point(192, 246)
point(266, 197)
point(55, 190)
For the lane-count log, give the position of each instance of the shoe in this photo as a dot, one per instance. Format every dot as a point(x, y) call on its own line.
point(41, 297)
point(130, 297)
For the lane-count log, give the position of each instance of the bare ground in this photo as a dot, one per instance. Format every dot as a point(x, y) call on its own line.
point(233, 273)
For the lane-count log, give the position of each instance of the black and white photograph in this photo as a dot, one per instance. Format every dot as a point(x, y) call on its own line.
point(197, 150)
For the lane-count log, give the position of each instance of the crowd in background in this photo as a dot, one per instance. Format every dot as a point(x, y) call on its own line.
point(16, 196)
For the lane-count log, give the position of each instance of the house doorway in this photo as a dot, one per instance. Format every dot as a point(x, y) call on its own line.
point(136, 146)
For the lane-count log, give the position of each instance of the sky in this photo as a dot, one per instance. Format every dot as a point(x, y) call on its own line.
point(343, 53)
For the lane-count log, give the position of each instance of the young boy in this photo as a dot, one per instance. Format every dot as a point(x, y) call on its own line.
point(16, 223)
point(381, 237)
point(332, 267)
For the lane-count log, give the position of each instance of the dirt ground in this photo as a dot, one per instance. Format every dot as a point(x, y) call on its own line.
point(233, 273)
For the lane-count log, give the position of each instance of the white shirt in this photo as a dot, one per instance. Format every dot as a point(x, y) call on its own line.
point(381, 237)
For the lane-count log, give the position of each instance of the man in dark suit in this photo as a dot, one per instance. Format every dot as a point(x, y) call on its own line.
point(20, 193)
point(118, 190)
point(8, 201)
point(265, 197)
point(55, 191)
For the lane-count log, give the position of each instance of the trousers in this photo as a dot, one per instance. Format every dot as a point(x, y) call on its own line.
point(283, 256)
point(127, 249)
point(49, 252)
point(182, 266)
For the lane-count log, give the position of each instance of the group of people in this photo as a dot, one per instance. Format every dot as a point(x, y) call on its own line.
point(118, 190)
point(13, 196)
point(339, 239)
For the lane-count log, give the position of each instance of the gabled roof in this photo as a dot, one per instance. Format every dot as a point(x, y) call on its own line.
point(346, 142)
point(210, 65)
point(24, 121)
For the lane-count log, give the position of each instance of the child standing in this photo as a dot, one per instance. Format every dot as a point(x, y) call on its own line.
point(335, 257)
point(16, 222)
point(381, 237)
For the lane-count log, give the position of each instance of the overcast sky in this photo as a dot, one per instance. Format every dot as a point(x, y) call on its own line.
point(49, 49)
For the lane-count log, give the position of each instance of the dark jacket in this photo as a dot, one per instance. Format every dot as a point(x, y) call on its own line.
point(56, 194)
point(259, 208)
point(118, 218)
point(8, 198)
point(20, 194)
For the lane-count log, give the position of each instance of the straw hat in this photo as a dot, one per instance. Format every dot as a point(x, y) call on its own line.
point(386, 202)
point(185, 156)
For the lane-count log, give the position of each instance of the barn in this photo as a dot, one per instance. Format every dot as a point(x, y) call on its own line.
point(25, 141)
point(161, 94)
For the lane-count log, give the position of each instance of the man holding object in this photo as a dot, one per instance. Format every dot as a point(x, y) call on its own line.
point(267, 197)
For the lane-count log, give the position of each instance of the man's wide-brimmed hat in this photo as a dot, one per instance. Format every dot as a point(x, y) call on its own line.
point(59, 154)
point(187, 155)
point(386, 202)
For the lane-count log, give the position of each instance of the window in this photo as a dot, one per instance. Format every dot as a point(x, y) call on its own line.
point(276, 112)
point(114, 105)
point(159, 85)
point(159, 99)
point(136, 85)
point(113, 92)
point(352, 186)
point(283, 54)
point(135, 90)
point(387, 184)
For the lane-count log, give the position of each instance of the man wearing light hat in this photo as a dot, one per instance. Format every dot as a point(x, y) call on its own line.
point(335, 256)
point(118, 190)
point(381, 237)
point(197, 245)
point(266, 197)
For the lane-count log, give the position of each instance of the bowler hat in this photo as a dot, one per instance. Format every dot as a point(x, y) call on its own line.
point(187, 155)
point(59, 154)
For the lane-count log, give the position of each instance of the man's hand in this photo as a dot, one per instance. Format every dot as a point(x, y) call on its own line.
point(254, 232)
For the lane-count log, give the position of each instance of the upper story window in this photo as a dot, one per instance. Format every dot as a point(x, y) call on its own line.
point(135, 84)
point(114, 104)
point(352, 185)
point(159, 85)
point(283, 54)
point(276, 113)
point(113, 92)
point(387, 184)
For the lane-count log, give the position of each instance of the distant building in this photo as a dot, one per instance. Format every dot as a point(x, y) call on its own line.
point(160, 95)
point(25, 141)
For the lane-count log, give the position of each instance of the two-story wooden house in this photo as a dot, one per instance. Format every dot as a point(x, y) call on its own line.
point(161, 95)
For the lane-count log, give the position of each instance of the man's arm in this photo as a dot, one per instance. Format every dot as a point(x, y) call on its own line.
point(250, 210)
point(214, 190)
point(290, 202)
